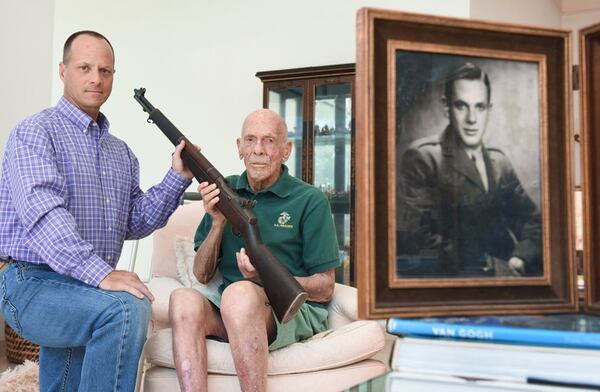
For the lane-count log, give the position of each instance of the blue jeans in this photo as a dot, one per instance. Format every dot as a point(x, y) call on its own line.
point(90, 339)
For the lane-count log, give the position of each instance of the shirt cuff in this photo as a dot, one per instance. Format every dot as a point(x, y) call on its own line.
point(92, 271)
point(176, 182)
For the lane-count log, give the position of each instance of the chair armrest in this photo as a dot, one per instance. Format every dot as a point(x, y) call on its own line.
point(161, 287)
point(343, 306)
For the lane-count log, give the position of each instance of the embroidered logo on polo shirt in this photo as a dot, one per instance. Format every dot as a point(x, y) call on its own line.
point(283, 219)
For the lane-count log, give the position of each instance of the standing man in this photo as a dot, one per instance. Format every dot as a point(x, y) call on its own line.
point(295, 222)
point(69, 198)
point(462, 200)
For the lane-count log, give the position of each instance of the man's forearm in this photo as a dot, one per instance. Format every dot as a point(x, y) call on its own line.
point(318, 286)
point(207, 255)
point(150, 210)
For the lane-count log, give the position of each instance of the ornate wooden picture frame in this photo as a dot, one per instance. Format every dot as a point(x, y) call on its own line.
point(439, 233)
point(589, 51)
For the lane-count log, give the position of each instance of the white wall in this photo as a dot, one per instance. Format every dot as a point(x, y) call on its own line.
point(26, 59)
point(543, 13)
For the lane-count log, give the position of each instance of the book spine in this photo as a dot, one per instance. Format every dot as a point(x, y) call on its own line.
point(504, 334)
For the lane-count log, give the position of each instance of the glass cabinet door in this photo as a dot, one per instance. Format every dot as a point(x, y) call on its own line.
point(331, 159)
point(289, 103)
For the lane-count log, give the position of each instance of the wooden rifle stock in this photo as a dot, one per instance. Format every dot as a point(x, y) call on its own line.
point(285, 294)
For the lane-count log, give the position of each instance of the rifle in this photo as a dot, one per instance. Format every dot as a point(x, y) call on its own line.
point(283, 290)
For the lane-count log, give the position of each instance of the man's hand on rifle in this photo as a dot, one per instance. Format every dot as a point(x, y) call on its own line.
point(210, 197)
point(177, 163)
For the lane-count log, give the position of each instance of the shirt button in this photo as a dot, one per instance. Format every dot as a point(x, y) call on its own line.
point(108, 257)
point(107, 201)
point(110, 228)
point(103, 173)
point(87, 281)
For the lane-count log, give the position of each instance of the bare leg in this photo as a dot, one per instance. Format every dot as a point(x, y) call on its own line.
point(192, 318)
point(248, 320)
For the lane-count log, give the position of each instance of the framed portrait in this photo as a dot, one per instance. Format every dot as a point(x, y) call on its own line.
point(589, 50)
point(463, 174)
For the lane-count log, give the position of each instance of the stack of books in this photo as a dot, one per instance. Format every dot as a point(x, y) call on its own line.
point(550, 352)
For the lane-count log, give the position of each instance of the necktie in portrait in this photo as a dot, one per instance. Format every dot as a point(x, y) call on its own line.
point(480, 166)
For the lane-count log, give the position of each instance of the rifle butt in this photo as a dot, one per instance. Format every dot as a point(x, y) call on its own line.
point(285, 294)
point(293, 306)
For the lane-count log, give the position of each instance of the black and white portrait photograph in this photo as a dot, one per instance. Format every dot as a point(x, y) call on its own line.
point(464, 180)
point(468, 165)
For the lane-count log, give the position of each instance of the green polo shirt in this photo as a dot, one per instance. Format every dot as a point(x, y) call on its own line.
point(294, 220)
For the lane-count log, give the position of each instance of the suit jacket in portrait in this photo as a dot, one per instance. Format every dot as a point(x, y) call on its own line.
point(449, 225)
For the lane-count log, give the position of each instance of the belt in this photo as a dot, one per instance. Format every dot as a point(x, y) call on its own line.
point(5, 263)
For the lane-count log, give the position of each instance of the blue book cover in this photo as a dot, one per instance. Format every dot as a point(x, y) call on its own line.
point(559, 330)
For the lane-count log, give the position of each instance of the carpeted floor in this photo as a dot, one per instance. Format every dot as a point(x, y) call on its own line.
point(21, 378)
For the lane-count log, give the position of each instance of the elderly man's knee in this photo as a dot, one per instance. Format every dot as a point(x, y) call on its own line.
point(242, 299)
point(186, 305)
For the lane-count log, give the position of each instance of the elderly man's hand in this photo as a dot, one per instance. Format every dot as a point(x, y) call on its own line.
point(210, 197)
point(246, 267)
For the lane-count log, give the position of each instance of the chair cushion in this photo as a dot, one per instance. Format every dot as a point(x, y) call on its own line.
point(343, 308)
point(330, 349)
point(161, 379)
point(183, 222)
point(162, 287)
point(184, 256)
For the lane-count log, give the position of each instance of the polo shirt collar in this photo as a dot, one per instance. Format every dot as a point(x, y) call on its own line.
point(79, 118)
point(281, 187)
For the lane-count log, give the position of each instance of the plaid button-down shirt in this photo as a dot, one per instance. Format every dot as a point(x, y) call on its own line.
point(70, 195)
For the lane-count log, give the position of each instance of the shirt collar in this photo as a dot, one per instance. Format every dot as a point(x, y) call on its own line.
point(80, 119)
point(281, 187)
point(477, 153)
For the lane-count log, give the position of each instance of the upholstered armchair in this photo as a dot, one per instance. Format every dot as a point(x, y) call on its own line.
point(331, 361)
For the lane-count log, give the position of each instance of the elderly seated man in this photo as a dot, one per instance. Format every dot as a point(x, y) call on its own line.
point(296, 224)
